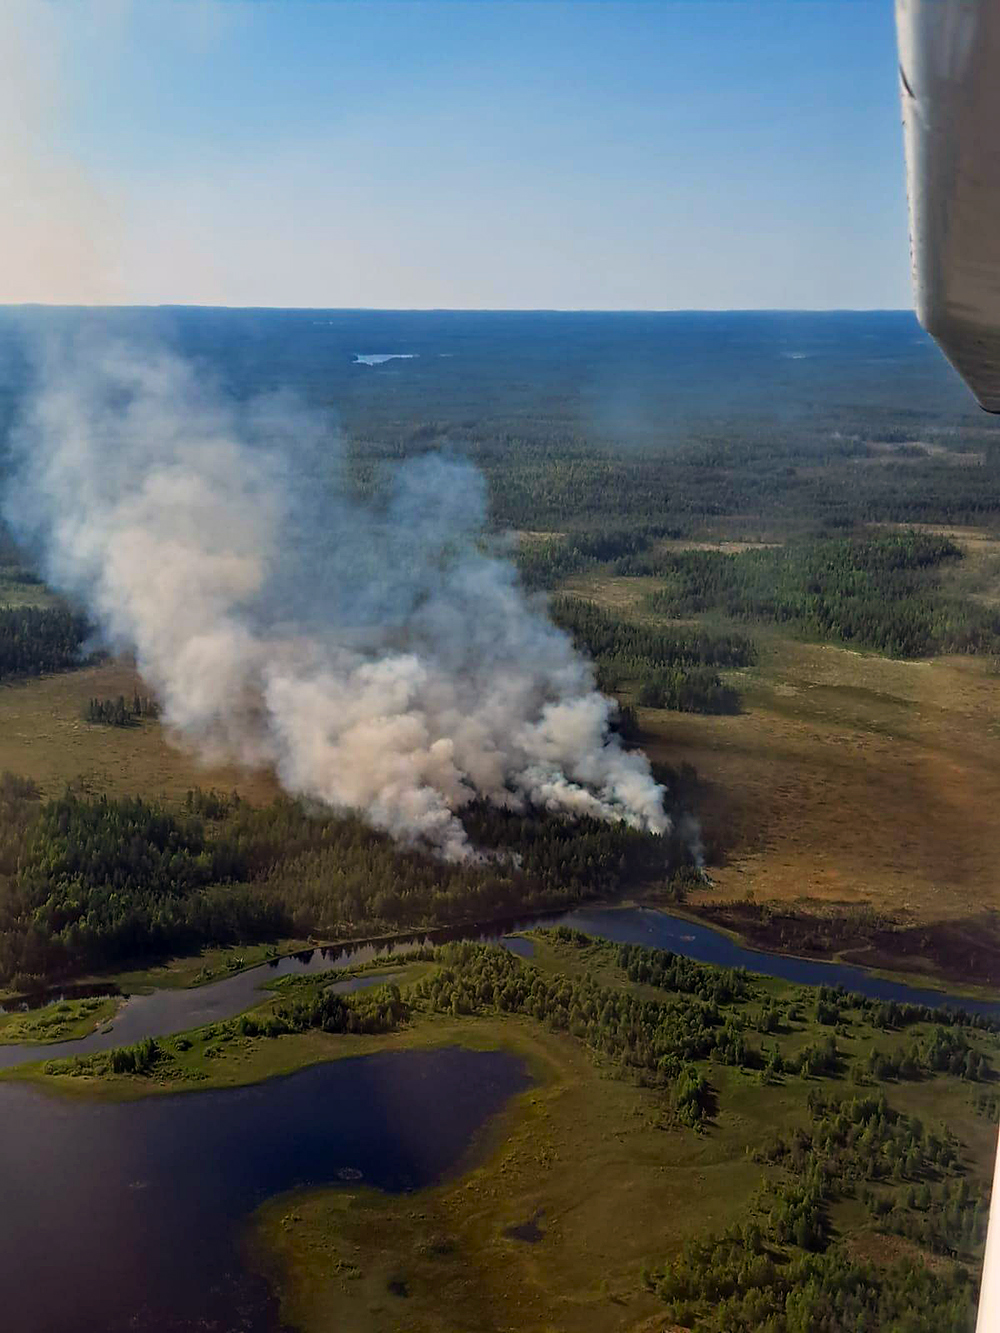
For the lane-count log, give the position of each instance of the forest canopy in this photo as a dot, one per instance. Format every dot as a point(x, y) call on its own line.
point(666, 667)
point(35, 640)
point(90, 883)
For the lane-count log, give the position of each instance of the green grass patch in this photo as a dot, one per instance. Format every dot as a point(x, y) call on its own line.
point(208, 965)
point(64, 1020)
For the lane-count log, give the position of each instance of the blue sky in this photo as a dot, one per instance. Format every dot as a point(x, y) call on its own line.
point(602, 155)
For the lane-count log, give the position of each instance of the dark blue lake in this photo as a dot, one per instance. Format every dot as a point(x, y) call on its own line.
point(127, 1216)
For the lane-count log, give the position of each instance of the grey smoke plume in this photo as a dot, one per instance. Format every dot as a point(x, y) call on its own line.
point(374, 653)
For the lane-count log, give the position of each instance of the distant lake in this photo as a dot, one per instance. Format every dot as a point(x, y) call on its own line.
point(128, 1215)
point(377, 358)
point(609, 376)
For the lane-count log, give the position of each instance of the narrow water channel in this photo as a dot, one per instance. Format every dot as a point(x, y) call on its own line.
point(166, 1011)
point(126, 1216)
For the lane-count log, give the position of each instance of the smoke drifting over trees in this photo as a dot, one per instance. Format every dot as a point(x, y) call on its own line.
point(371, 649)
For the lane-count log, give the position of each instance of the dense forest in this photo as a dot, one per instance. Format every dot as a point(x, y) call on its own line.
point(618, 429)
point(35, 640)
point(878, 591)
point(89, 883)
point(733, 1283)
point(666, 668)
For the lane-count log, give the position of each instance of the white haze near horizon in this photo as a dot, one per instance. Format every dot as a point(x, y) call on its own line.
point(458, 156)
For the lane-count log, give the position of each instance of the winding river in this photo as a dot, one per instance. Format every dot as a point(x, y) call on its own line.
point(128, 1215)
point(166, 1011)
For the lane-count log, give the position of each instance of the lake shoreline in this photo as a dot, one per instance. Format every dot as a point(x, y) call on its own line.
point(761, 928)
point(774, 928)
point(332, 1124)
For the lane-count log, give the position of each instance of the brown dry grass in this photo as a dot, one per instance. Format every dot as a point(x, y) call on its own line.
point(43, 736)
point(852, 778)
point(614, 592)
point(918, 451)
point(849, 777)
point(727, 547)
point(886, 1250)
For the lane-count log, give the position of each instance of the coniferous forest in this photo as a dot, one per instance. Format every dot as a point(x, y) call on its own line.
point(748, 494)
point(93, 883)
point(36, 640)
point(784, 1266)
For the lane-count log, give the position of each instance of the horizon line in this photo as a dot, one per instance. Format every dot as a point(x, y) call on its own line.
point(470, 310)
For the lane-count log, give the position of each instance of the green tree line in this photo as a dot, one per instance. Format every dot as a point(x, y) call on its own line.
point(35, 640)
point(88, 883)
point(121, 712)
point(668, 668)
point(880, 592)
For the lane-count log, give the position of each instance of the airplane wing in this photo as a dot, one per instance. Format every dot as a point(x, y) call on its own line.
point(949, 80)
point(949, 84)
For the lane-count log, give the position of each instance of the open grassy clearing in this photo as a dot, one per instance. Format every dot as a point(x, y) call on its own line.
point(915, 452)
point(854, 779)
point(43, 736)
point(977, 575)
point(64, 1020)
point(582, 1154)
point(848, 778)
point(18, 591)
point(616, 592)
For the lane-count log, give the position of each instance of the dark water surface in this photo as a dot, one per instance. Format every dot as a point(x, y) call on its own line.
point(167, 1011)
point(126, 1215)
point(661, 930)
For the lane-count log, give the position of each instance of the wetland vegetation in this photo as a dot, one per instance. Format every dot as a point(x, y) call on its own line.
point(797, 611)
point(837, 1148)
point(63, 1020)
point(774, 1139)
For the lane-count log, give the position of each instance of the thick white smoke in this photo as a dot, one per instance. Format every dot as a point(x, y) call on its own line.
point(373, 652)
